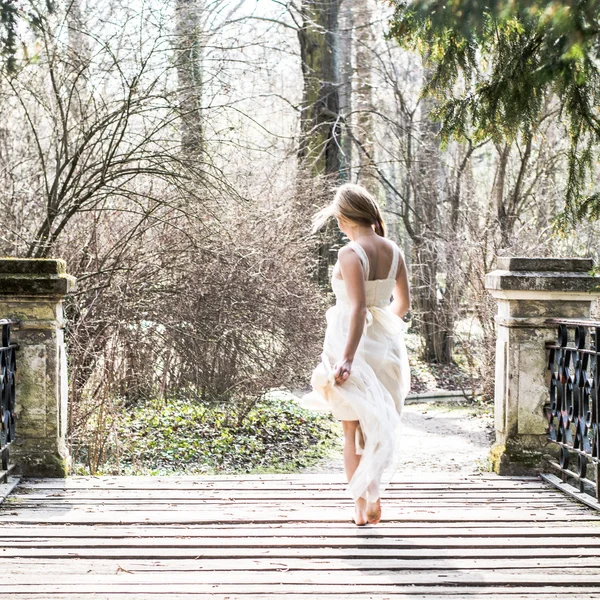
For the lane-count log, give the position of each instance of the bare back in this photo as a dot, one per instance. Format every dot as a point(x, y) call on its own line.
point(380, 253)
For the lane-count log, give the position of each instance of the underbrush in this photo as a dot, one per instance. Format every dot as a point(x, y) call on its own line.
point(426, 376)
point(184, 437)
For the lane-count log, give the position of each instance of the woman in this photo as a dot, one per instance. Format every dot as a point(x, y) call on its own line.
point(363, 377)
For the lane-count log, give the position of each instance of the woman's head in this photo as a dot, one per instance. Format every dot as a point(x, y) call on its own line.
point(354, 204)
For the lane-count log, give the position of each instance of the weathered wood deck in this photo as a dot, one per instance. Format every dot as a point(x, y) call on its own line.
point(291, 536)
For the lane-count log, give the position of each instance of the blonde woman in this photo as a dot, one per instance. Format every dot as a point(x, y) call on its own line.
point(363, 377)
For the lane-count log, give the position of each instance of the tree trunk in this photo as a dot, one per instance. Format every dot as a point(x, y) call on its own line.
point(79, 54)
point(346, 75)
point(499, 185)
point(435, 310)
point(320, 152)
point(188, 61)
point(365, 130)
point(320, 122)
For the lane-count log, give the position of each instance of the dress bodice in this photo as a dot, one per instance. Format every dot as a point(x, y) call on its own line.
point(378, 291)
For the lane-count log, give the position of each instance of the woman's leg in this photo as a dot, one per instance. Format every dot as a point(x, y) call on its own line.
point(351, 460)
point(373, 506)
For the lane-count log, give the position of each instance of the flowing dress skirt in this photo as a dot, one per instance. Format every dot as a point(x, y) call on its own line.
point(373, 394)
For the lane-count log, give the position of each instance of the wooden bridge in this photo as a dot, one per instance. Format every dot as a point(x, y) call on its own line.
point(272, 537)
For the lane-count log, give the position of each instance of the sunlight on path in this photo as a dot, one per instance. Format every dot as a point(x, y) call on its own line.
point(437, 438)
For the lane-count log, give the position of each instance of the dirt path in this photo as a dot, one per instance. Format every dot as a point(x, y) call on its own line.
point(447, 437)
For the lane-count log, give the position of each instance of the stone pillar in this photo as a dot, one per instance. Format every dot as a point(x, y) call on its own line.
point(32, 292)
point(530, 291)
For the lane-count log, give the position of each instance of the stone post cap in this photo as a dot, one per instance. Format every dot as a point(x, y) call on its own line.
point(550, 278)
point(563, 265)
point(35, 277)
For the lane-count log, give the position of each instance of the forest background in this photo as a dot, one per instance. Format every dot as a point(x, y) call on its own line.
point(173, 153)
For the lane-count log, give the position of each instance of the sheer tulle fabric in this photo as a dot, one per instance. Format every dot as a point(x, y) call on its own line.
point(375, 391)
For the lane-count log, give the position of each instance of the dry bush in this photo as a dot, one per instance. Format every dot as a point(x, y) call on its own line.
point(214, 310)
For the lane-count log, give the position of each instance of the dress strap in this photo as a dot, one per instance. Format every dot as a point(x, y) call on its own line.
point(395, 259)
point(362, 255)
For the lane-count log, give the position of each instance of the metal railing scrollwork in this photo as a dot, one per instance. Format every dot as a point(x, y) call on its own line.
point(573, 411)
point(8, 367)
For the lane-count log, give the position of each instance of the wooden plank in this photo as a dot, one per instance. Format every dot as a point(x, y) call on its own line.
point(323, 516)
point(268, 504)
point(303, 477)
point(328, 482)
point(300, 528)
point(274, 495)
point(96, 534)
point(587, 576)
point(182, 552)
point(283, 540)
point(284, 591)
point(268, 497)
point(64, 484)
point(174, 487)
point(199, 503)
point(395, 595)
point(565, 507)
point(249, 495)
point(99, 566)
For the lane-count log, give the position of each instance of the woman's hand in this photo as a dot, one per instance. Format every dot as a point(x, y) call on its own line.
point(341, 370)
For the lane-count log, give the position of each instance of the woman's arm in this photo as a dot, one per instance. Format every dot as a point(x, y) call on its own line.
point(401, 304)
point(353, 276)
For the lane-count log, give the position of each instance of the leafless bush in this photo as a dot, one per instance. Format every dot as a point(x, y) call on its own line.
point(220, 314)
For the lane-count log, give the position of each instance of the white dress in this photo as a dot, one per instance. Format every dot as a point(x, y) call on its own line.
point(379, 381)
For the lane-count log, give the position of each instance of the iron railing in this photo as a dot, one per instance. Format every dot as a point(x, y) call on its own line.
point(8, 367)
point(573, 411)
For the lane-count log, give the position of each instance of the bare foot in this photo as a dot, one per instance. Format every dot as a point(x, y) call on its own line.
point(374, 512)
point(360, 516)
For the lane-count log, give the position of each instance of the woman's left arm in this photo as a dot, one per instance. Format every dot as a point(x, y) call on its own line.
point(353, 276)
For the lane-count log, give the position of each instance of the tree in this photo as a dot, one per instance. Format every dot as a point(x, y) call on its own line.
point(346, 73)
point(364, 129)
point(495, 65)
point(189, 50)
point(320, 151)
point(320, 145)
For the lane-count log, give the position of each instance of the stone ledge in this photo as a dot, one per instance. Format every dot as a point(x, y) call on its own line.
point(34, 277)
point(542, 281)
point(541, 264)
point(32, 266)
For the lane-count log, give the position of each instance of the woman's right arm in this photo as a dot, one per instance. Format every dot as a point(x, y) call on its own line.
point(401, 304)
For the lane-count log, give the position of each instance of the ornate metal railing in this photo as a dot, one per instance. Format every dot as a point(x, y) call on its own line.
point(8, 367)
point(573, 411)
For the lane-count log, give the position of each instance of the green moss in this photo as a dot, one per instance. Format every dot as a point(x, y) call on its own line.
point(46, 465)
point(495, 456)
point(515, 458)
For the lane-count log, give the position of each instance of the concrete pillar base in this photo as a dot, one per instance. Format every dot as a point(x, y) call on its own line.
point(32, 292)
point(530, 291)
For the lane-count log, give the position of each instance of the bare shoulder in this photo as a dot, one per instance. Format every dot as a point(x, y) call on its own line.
point(397, 247)
point(349, 261)
point(393, 246)
point(346, 253)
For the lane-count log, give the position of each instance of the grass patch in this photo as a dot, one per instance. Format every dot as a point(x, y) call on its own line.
point(180, 436)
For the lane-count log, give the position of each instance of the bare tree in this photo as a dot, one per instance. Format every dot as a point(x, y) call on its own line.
point(363, 114)
point(320, 145)
point(190, 44)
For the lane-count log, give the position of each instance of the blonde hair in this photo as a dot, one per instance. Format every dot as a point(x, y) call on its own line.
point(354, 203)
